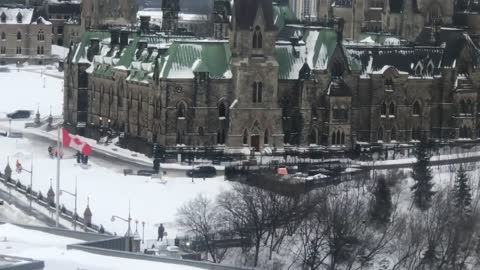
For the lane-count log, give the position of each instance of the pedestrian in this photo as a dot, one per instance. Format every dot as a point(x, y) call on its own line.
point(161, 231)
point(50, 150)
point(79, 157)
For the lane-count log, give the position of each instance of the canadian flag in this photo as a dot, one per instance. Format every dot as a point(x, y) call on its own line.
point(75, 142)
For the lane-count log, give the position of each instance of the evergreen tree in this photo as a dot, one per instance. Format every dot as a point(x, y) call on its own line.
point(381, 205)
point(461, 191)
point(422, 175)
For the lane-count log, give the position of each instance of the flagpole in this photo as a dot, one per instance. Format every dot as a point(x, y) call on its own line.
point(57, 202)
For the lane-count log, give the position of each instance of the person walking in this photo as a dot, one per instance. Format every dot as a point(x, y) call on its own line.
point(161, 231)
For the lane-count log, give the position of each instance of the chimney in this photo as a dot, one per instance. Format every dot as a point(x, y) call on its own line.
point(339, 24)
point(124, 35)
point(114, 37)
point(144, 24)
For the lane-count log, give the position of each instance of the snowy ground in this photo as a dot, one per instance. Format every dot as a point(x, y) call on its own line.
point(25, 90)
point(10, 214)
point(109, 191)
point(51, 249)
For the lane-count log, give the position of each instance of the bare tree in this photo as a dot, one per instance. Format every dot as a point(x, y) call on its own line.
point(201, 217)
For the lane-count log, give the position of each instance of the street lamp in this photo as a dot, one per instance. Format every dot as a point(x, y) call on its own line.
point(129, 231)
point(143, 232)
point(31, 185)
point(75, 209)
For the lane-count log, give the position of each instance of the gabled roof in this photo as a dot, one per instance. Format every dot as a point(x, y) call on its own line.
point(12, 13)
point(246, 11)
point(454, 41)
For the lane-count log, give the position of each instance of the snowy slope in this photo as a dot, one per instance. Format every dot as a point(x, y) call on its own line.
point(52, 250)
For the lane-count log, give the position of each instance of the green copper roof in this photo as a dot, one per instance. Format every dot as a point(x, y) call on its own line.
point(81, 49)
point(182, 55)
point(316, 47)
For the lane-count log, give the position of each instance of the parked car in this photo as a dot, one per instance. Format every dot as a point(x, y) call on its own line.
point(202, 172)
point(19, 114)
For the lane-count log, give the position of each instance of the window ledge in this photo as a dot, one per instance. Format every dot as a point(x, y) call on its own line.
point(391, 116)
point(181, 118)
point(415, 115)
point(383, 116)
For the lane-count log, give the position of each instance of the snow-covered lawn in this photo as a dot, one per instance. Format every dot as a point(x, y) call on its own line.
point(24, 90)
point(109, 191)
point(52, 250)
point(11, 214)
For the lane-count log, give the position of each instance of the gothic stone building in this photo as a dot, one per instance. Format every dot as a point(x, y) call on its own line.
point(269, 88)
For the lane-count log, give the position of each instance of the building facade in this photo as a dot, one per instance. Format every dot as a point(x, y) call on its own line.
point(271, 88)
point(24, 37)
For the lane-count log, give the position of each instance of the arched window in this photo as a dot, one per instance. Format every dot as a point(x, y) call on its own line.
point(334, 138)
point(313, 136)
point(342, 140)
point(380, 134)
point(257, 92)
point(180, 137)
point(38, 49)
point(3, 17)
point(245, 137)
point(393, 134)
point(266, 137)
point(40, 35)
point(19, 36)
point(417, 109)
point(4, 36)
point(430, 69)
point(3, 50)
point(339, 135)
point(19, 50)
point(257, 38)
point(200, 131)
point(383, 109)
point(391, 109)
point(19, 17)
point(181, 110)
point(222, 110)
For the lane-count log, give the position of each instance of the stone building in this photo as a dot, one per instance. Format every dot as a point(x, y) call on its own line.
point(274, 85)
point(404, 18)
point(24, 36)
point(98, 14)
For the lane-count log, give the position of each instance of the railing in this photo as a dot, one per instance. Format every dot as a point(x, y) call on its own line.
point(42, 201)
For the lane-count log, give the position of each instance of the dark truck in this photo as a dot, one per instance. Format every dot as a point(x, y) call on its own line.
point(202, 172)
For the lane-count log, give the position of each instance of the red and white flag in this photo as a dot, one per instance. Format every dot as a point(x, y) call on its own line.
point(75, 142)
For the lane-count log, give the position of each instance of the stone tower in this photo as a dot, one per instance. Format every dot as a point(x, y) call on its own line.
point(99, 14)
point(170, 9)
point(255, 112)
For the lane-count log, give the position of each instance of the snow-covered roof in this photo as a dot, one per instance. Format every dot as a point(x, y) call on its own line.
point(16, 15)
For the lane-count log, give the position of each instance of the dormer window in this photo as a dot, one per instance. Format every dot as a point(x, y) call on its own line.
point(19, 18)
point(430, 68)
point(418, 69)
point(257, 38)
point(3, 17)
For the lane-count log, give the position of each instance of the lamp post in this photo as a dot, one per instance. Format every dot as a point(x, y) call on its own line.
point(31, 186)
point(75, 208)
point(143, 232)
point(129, 231)
point(9, 127)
